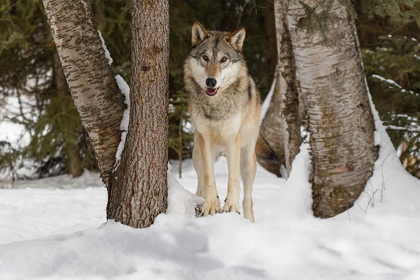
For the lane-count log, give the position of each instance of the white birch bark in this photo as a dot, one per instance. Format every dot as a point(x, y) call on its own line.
point(89, 77)
point(340, 119)
point(272, 129)
point(289, 90)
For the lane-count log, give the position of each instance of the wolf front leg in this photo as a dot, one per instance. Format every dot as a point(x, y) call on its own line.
point(233, 154)
point(248, 169)
point(211, 204)
point(198, 166)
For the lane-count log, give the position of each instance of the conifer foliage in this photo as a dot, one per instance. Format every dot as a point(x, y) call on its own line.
point(51, 121)
point(27, 73)
point(319, 15)
point(393, 72)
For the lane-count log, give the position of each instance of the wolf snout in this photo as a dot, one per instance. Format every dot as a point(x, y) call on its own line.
point(210, 82)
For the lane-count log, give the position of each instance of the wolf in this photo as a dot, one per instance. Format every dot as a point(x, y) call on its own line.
point(224, 105)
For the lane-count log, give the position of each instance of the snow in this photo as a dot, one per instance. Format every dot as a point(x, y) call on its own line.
point(392, 82)
point(17, 136)
point(58, 205)
point(56, 228)
point(393, 127)
point(267, 102)
point(377, 138)
point(107, 54)
point(125, 89)
point(13, 132)
point(374, 240)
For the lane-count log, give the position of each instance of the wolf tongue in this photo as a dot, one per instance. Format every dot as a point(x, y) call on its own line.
point(211, 91)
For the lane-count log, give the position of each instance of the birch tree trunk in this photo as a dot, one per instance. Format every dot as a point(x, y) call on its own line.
point(89, 77)
point(272, 127)
point(282, 123)
point(270, 34)
point(139, 188)
point(288, 89)
point(73, 164)
point(272, 130)
point(180, 148)
point(340, 119)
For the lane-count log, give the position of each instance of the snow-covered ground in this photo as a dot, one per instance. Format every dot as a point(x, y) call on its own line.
point(56, 229)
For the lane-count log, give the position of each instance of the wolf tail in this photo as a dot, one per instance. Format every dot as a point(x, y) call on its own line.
point(265, 152)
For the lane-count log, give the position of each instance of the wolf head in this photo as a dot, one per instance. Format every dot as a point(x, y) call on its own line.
point(216, 58)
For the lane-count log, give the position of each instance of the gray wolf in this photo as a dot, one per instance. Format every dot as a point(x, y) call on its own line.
point(224, 105)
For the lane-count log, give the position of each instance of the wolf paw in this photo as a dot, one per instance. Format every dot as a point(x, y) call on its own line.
point(210, 207)
point(230, 207)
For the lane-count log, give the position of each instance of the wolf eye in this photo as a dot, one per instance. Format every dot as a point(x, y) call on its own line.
point(205, 57)
point(223, 59)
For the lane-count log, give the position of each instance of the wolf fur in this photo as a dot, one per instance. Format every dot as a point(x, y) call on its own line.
point(224, 105)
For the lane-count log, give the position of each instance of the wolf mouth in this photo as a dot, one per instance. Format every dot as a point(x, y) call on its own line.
point(211, 91)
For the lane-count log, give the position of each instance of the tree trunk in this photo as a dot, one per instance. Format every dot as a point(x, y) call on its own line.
point(89, 76)
point(281, 125)
point(288, 89)
point(340, 119)
point(180, 148)
point(271, 126)
point(73, 164)
point(139, 188)
point(270, 34)
point(272, 129)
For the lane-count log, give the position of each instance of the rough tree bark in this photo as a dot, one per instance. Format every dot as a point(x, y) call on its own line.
point(281, 125)
point(270, 34)
point(340, 119)
point(139, 187)
point(272, 130)
point(89, 76)
point(288, 89)
point(74, 163)
point(272, 127)
point(180, 148)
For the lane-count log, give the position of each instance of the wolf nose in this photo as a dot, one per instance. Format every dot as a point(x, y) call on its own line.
point(210, 82)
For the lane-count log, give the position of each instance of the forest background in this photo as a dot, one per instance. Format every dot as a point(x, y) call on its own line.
point(30, 72)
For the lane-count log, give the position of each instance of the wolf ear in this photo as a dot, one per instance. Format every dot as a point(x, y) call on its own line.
point(237, 38)
point(199, 33)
